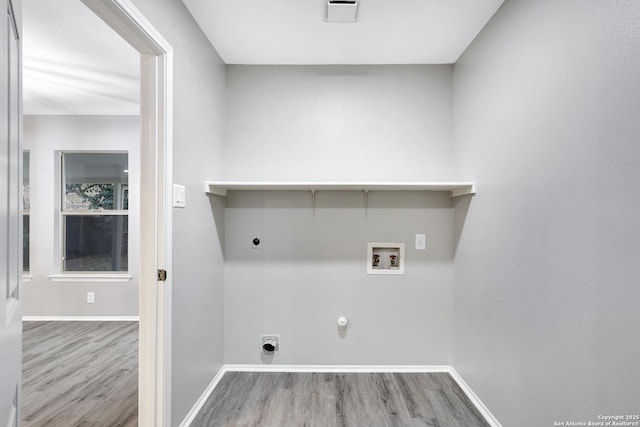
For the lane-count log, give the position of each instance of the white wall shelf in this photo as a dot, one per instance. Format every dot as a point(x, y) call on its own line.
point(456, 189)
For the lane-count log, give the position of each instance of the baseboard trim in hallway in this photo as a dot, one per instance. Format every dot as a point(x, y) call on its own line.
point(480, 406)
point(80, 318)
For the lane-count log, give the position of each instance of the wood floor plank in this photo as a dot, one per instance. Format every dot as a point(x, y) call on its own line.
point(80, 374)
point(84, 374)
point(338, 400)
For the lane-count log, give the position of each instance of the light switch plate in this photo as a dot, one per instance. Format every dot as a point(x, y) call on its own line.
point(421, 242)
point(179, 196)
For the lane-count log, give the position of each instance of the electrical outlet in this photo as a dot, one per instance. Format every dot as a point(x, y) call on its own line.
point(255, 242)
point(91, 297)
point(421, 242)
point(270, 344)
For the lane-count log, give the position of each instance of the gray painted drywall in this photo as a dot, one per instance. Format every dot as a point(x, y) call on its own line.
point(197, 270)
point(338, 123)
point(43, 137)
point(546, 120)
point(333, 123)
point(311, 268)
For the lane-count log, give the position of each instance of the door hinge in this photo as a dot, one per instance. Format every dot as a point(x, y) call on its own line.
point(162, 275)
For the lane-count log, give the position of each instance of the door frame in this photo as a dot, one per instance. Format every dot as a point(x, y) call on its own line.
point(156, 120)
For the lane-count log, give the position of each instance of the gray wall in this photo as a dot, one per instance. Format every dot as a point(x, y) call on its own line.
point(546, 120)
point(338, 123)
point(197, 270)
point(43, 137)
point(311, 268)
point(358, 123)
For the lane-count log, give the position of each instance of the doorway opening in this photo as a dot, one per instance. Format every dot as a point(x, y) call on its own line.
point(155, 145)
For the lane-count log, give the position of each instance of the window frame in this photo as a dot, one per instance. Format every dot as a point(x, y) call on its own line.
point(80, 275)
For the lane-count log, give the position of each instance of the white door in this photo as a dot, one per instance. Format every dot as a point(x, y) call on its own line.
point(10, 215)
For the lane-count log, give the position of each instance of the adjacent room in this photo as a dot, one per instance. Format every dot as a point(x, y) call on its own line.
point(408, 212)
point(81, 130)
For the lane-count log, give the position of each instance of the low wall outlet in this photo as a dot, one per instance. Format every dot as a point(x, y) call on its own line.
point(91, 297)
point(256, 242)
point(421, 242)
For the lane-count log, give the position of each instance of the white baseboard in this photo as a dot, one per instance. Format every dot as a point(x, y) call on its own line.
point(338, 368)
point(80, 318)
point(486, 413)
point(203, 398)
point(475, 400)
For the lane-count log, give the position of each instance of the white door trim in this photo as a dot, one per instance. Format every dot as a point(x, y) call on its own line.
point(156, 118)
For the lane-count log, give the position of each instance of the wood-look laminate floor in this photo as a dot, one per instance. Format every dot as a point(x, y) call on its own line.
point(80, 374)
point(338, 399)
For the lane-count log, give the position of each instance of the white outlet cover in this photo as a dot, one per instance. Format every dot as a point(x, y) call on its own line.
point(421, 242)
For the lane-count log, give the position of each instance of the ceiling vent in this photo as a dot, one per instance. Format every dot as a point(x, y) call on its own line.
point(341, 11)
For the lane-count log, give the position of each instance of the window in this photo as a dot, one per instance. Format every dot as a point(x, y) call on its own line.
point(95, 202)
point(26, 210)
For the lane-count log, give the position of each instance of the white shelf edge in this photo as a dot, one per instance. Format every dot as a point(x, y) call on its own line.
point(456, 189)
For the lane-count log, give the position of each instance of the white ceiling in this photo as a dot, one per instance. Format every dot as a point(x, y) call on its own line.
point(75, 64)
point(387, 31)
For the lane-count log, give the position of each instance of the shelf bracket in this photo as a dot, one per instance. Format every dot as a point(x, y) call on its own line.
point(365, 195)
point(313, 199)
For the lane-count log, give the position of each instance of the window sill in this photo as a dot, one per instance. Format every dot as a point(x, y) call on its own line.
point(27, 277)
point(89, 277)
